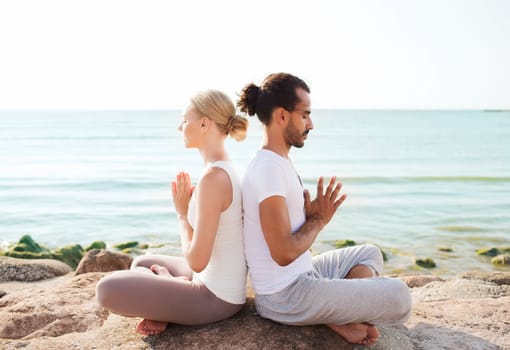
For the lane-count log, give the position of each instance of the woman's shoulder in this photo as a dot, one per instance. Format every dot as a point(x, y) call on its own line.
point(215, 177)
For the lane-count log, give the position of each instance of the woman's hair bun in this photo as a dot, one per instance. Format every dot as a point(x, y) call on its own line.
point(237, 127)
point(248, 99)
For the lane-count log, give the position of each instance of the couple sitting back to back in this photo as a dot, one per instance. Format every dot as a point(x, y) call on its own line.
point(340, 288)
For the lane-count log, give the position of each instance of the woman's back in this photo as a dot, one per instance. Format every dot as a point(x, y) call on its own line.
point(225, 275)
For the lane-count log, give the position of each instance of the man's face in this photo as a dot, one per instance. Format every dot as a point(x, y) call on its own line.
point(300, 121)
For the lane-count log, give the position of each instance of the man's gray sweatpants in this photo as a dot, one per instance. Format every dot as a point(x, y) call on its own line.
point(324, 296)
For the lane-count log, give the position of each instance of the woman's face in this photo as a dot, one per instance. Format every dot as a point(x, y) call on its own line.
point(191, 127)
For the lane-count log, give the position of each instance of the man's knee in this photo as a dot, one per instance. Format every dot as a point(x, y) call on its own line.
point(401, 300)
point(374, 255)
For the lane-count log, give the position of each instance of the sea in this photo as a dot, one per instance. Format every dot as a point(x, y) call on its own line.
point(419, 184)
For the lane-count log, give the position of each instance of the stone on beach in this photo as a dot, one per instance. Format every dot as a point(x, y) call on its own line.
point(499, 278)
point(66, 306)
point(414, 281)
point(96, 245)
point(502, 259)
point(26, 270)
point(98, 260)
point(427, 263)
point(27, 248)
point(470, 311)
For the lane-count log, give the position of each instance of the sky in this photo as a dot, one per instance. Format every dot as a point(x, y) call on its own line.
point(354, 54)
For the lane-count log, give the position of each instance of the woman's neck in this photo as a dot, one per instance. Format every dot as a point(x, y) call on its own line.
point(213, 154)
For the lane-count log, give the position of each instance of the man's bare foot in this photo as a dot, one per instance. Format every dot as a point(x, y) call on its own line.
point(356, 333)
point(372, 331)
point(150, 327)
point(160, 270)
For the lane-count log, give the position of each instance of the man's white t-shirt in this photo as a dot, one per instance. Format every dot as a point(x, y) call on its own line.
point(267, 175)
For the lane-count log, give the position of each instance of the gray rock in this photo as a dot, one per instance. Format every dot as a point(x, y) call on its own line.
point(28, 270)
point(459, 289)
point(462, 313)
point(454, 314)
point(414, 281)
point(499, 278)
point(248, 331)
point(100, 260)
point(66, 315)
point(502, 259)
point(67, 306)
point(481, 323)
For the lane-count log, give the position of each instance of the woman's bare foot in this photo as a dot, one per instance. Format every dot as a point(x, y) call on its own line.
point(160, 270)
point(150, 327)
point(356, 333)
point(163, 271)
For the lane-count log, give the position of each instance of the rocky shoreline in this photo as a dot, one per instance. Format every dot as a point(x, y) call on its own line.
point(58, 310)
point(397, 262)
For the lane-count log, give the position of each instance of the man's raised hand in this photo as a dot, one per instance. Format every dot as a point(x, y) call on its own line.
point(325, 204)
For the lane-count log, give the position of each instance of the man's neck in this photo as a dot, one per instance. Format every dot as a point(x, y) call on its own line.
point(279, 147)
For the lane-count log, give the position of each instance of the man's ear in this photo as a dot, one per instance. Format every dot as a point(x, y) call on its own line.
point(281, 115)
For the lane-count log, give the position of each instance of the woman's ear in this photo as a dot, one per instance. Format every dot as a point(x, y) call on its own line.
point(204, 123)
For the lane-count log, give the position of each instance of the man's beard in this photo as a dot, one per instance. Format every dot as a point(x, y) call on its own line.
point(294, 136)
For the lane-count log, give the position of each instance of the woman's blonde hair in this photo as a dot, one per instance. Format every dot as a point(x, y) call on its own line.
point(218, 107)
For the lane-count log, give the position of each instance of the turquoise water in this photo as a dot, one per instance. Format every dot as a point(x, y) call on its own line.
point(416, 180)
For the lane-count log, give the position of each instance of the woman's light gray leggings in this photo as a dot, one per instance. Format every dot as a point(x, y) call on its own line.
point(324, 296)
point(139, 292)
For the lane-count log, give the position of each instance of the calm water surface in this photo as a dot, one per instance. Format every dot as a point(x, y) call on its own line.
point(416, 180)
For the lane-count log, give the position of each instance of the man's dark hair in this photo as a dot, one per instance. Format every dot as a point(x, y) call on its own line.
point(277, 90)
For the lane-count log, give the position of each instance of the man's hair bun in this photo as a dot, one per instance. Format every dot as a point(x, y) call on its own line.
point(248, 99)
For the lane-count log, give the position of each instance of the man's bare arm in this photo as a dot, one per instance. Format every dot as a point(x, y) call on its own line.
point(286, 246)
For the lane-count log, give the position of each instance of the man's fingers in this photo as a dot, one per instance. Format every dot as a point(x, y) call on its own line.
point(329, 188)
point(340, 201)
point(331, 183)
point(308, 201)
point(306, 194)
point(320, 187)
point(332, 187)
point(335, 192)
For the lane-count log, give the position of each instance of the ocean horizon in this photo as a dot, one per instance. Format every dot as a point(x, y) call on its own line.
point(417, 181)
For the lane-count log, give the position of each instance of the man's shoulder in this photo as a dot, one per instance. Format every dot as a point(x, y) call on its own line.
point(266, 157)
point(264, 164)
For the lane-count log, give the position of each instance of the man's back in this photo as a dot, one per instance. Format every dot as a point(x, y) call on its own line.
point(267, 175)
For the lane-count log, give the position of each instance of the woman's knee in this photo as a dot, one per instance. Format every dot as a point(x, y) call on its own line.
point(105, 292)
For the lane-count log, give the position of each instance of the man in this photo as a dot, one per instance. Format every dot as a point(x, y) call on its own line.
point(339, 288)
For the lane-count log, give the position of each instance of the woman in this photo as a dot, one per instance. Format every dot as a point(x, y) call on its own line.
point(208, 283)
